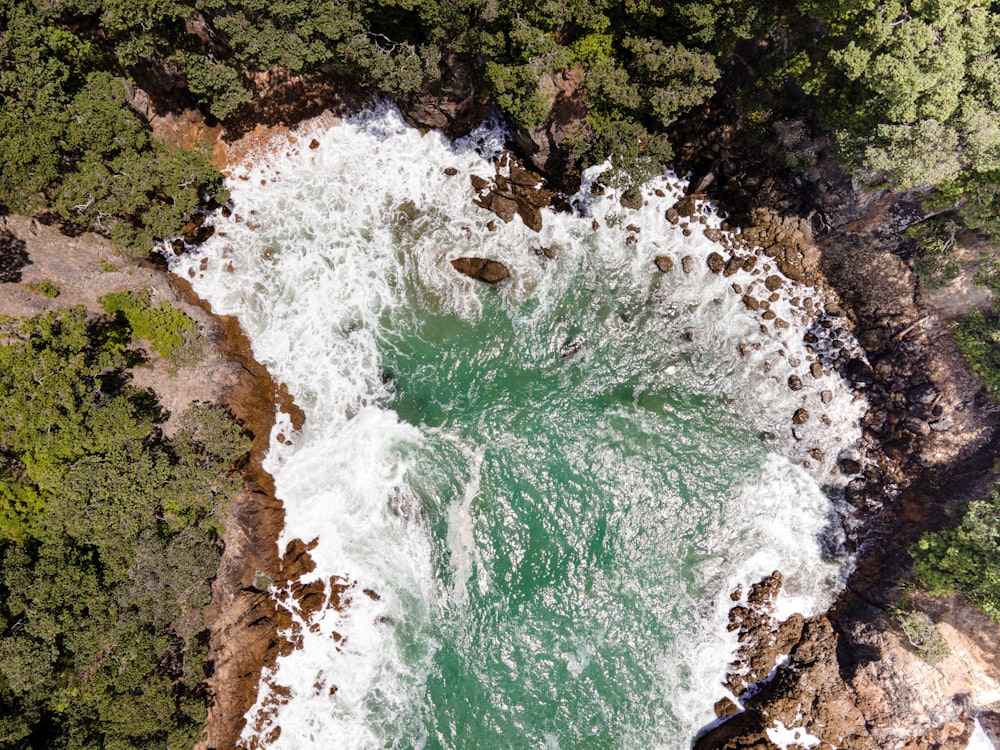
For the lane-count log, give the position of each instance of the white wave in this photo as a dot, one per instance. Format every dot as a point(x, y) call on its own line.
point(327, 247)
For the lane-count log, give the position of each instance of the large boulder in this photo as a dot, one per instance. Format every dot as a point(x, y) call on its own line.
point(482, 269)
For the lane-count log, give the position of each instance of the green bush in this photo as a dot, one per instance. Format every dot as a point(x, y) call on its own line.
point(44, 288)
point(924, 636)
point(978, 337)
point(171, 332)
point(936, 264)
point(966, 558)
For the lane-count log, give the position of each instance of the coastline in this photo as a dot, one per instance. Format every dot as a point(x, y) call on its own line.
point(857, 240)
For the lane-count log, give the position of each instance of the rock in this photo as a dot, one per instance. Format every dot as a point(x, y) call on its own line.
point(314, 144)
point(544, 145)
point(751, 302)
point(502, 205)
point(450, 171)
point(917, 426)
point(713, 234)
point(672, 216)
point(631, 199)
point(521, 194)
point(197, 231)
point(725, 707)
point(795, 382)
point(482, 269)
point(990, 722)
point(817, 454)
point(686, 206)
point(924, 394)
point(732, 266)
point(456, 107)
point(849, 466)
point(816, 370)
point(715, 262)
point(773, 282)
point(860, 373)
point(826, 396)
point(687, 264)
point(801, 416)
point(664, 262)
point(942, 425)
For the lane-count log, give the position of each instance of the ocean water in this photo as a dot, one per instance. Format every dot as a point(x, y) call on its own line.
point(532, 500)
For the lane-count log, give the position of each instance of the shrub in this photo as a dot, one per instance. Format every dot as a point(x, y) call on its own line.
point(171, 332)
point(935, 265)
point(965, 559)
point(978, 337)
point(44, 288)
point(924, 636)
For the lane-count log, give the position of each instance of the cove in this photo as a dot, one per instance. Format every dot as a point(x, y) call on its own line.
point(533, 500)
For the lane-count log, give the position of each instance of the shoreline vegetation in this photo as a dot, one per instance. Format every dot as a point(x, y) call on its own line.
point(873, 126)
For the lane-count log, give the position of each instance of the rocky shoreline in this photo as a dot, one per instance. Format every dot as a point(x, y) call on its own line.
point(849, 678)
point(930, 433)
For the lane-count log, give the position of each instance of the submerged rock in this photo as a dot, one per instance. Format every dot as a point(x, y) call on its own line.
point(482, 269)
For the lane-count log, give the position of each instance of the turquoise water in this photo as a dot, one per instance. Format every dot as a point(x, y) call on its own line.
point(599, 481)
point(548, 488)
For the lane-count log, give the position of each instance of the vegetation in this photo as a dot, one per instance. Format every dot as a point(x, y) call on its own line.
point(923, 635)
point(44, 288)
point(911, 89)
point(170, 332)
point(107, 543)
point(978, 337)
point(936, 264)
point(966, 558)
point(72, 147)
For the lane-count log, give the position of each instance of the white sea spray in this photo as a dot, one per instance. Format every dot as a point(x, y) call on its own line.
point(325, 248)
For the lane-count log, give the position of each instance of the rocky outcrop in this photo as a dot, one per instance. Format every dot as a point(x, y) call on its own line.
point(545, 146)
point(514, 191)
point(242, 619)
point(845, 680)
point(454, 104)
point(482, 269)
point(930, 436)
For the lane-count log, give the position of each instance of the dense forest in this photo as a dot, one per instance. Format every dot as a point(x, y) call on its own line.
point(108, 533)
point(910, 89)
point(108, 529)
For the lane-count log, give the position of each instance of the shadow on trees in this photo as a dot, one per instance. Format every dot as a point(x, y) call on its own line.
point(13, 256)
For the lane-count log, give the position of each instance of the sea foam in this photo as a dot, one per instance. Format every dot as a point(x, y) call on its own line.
point(327, 252)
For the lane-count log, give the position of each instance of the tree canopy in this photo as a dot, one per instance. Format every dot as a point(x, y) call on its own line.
point(108, 541)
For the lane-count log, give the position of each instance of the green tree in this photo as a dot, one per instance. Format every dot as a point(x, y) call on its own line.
point(108, 542)
point(966, 558)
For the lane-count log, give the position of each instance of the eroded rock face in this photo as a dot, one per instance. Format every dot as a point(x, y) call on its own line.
point(849, 680)
point(454, 104)
point(544, 146)
point(482, 269)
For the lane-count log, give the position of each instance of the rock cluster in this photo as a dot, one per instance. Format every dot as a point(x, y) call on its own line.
point(514, 191)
